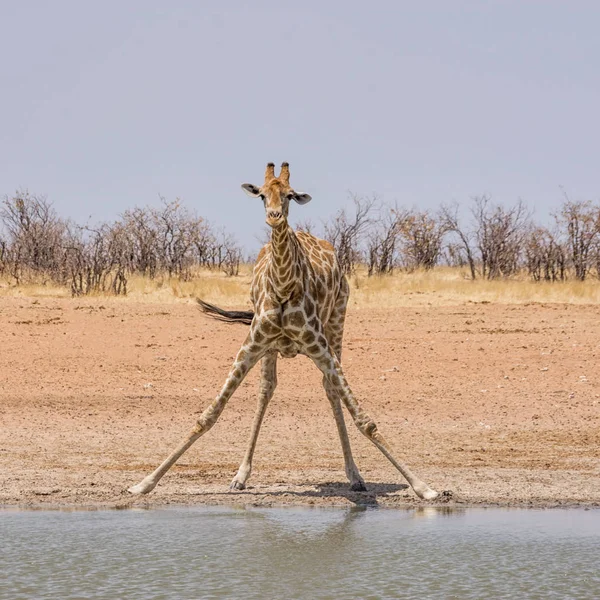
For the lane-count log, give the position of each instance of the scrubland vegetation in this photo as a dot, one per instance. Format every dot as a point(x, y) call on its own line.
point(483, 251)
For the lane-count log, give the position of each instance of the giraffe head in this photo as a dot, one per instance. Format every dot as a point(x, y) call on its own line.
point(276, 194)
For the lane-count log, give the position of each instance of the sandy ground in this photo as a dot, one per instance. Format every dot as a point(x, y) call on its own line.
point(500, 404)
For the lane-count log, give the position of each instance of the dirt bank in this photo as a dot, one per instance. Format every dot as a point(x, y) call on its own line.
point(498, 403)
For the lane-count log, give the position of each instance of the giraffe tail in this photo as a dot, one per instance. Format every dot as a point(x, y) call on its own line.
point(228, 316)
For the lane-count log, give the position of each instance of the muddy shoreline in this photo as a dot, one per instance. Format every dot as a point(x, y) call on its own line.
point(264, 499)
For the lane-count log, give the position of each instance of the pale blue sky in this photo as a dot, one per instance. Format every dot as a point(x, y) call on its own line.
point(105, 105)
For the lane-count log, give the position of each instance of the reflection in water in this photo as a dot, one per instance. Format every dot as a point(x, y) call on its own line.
point(429, 552)
point(434, 512)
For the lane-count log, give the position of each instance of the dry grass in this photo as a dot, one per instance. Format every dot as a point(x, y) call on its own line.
point(213, 285)
point(447, 286)
point(442, 286)
point(32, 290)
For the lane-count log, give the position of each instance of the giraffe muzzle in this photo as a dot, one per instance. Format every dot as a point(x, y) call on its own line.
point(274, 217)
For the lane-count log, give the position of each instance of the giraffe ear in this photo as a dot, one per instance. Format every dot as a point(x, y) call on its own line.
point(251, 190)
point(302, 198)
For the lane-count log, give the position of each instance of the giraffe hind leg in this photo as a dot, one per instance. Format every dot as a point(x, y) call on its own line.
point(331, 368)
point(357, 483)
point(334, 331)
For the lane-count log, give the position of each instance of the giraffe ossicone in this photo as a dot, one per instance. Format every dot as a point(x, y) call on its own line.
point(299, 296)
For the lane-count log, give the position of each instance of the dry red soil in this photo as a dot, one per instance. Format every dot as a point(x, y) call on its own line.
point(499, 404)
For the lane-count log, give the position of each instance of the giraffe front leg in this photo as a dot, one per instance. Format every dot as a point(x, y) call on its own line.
point(331, 368)
point(268, 383)
point(248, 355)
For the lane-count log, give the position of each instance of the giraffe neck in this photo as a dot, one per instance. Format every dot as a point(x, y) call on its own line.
point(284, 269)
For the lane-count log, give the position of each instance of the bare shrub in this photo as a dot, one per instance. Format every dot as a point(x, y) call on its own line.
point(176, 229)
point(462, 250)
point(500, 232)
point(579, 223)
point(96, 260)
point(226, 254)
point(421, 235)
point(33, 246)
point(223, 253)
point(545, 256)
point(346, 232)
point(596, 259)
point(173, 241)
point(493, 243)
point(306, 225)
point(382, 242)
point(3, 256)
point(231, 261)
point(203, 243)
point(169, 239)
point(143, 255)
point(453, 255)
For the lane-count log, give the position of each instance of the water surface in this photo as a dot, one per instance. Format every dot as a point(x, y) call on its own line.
point(300, 553)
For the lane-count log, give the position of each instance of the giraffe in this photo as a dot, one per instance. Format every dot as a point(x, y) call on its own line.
point(299, 296)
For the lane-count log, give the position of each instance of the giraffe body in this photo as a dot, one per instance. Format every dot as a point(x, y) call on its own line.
point(299, 295)
point(305, 309)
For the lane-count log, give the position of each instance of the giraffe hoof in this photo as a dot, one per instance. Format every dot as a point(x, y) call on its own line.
point(358, 486)
point(142, 488)
point(237, 485)
point(427, 494)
